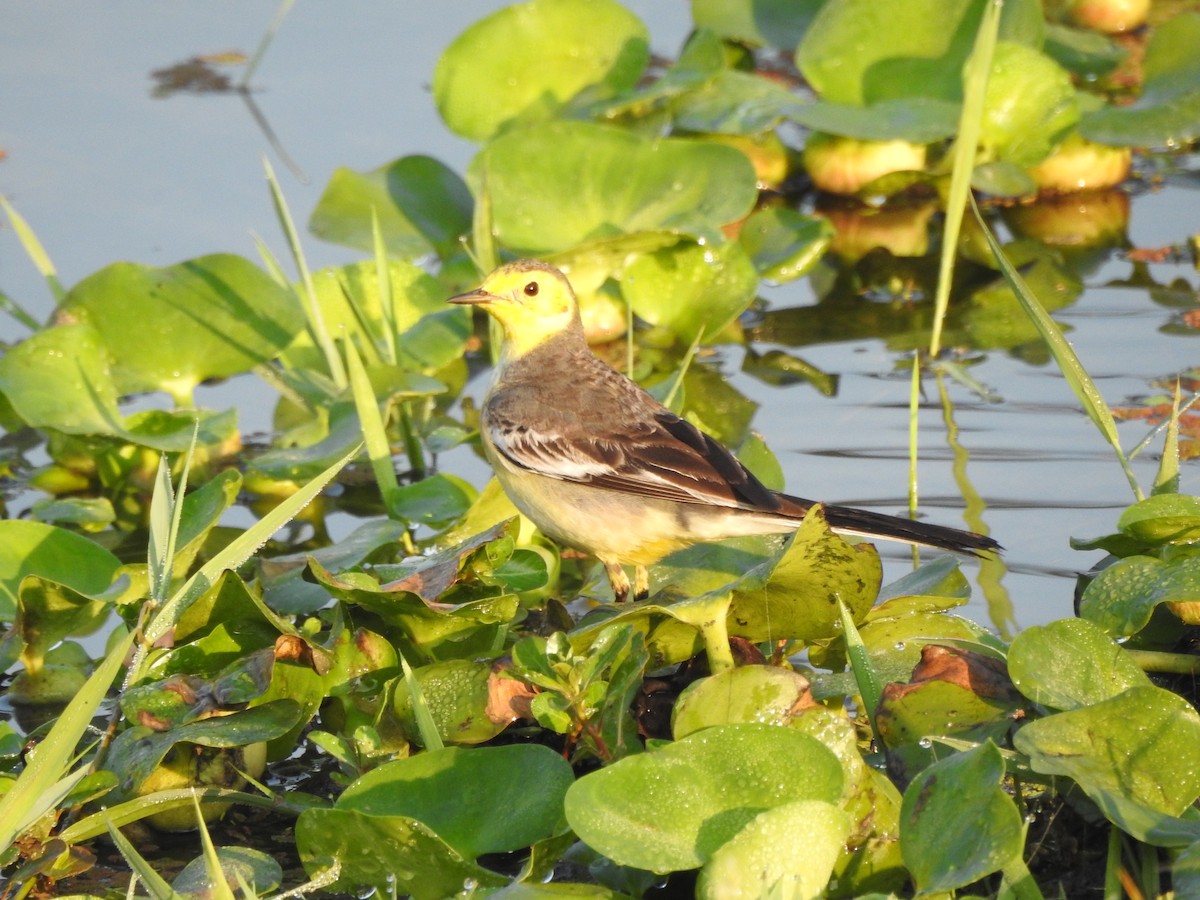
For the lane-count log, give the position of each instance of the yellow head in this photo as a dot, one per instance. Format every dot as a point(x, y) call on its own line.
point(531, 300)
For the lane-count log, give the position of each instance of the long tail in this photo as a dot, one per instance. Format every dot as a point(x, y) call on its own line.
point(868, 524)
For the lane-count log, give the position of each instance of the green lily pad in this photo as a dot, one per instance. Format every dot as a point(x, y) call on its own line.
point(1142, 745)
point(526, 61)
point(733, 102)
point(505, 798)
point(170, 328)
point(404, 597)
point(1029, 107)
point(690, 289)
point(136, 752)
point(61, 378)
point(1082, 51)
point(777, 23)
point(921, 120)
point(796, 594)
point(436, 501)
point(1167, 113)
point(908, 714)
point(1163, 519)
point(701, 60)
point(940, 578)
point(745, 694)
point(1071, 663)
point(456, 694)
point(673, 808)
point(634, 184)
point(252, 867)
point(422, 206)
point(784, 244)
point(789, 849)
point(388, 853)
point(1121, 598)
point(943, 851)
point(54, 554)
point(849, 53)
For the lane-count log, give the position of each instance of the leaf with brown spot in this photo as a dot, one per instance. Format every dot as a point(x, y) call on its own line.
point(508, 698)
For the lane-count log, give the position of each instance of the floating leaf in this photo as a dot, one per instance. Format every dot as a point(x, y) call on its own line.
point(634, 184)
point(921, 120)
point(673, 808)
point(388, 853)
point(1121, 599)
point(1163, 519)
point(1142, 745)
point(1029, 106)
point(238, 865)
point(788, 850)
point(1167, 113)
point(689, 289)
point(1071, 663)
point(797, 594)
point(61, 378)
point(55, 555)
point(778, 23)
point(456, 693)
point(1082, 51)
point(746, 694)
point(526, 61)
point(505, 797)
point(940, 853)
point(423, 206)
point(209, 317)
point(735, 103)
point(784, 244)
point(138, 750)
point(849, 54)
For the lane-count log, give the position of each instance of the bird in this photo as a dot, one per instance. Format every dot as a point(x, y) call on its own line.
point(599, 465)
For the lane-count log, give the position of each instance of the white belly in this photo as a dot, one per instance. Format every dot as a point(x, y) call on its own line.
point(617, 526)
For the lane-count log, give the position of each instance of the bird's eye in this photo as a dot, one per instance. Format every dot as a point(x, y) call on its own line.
point(531, 289)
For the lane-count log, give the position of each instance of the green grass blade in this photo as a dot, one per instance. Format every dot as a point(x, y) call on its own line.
point(166, 512)
point(975, 78)
point(1167, 479)
point(914, 403)
point(237, 552)
point(1019, 881)
point(1062, 351)
point(316, 321)
point(425, 724)
point(33, 794)
point(379, 449)
point(36, 253)
point(383, 280)
point(483, 237)
point(273, 267)
point(218, 885)
point(365, 325)
point(865, 676)
point(158, 549)
point(156, 885)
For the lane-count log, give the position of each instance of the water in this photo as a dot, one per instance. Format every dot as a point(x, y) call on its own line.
point(104, 171)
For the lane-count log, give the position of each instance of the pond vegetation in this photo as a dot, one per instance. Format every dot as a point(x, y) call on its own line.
point(445, 703)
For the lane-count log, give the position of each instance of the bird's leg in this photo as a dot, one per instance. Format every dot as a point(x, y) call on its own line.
point(618, 579)
point(641, 583)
